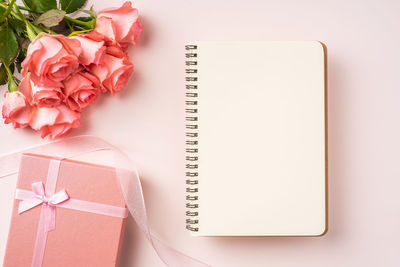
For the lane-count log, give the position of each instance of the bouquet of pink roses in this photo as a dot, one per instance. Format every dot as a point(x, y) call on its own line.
point(65, 62)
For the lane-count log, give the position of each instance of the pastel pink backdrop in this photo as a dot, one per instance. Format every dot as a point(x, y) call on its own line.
point(146, 119)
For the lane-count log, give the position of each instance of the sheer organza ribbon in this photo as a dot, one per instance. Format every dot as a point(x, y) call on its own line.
point(129, 182)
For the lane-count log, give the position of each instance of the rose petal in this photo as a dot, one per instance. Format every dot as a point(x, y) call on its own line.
point(105, 26)
point(44, 117)
point(93, 50)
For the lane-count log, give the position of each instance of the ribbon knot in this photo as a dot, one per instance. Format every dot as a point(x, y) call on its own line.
point(38, 197)
point(45, 200)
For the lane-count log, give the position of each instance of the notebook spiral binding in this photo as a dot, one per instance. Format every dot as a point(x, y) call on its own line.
point(191, 139)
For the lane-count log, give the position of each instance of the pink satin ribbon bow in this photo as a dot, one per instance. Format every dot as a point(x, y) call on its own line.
point(39, 197)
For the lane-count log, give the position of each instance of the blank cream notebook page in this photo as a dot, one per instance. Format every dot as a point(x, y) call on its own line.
point(255, 129)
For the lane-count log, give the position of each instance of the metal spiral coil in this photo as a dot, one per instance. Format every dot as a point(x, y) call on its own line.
point(191, 138)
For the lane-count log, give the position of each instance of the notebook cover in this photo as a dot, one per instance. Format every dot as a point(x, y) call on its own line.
point(256, 138)
point(80, 238)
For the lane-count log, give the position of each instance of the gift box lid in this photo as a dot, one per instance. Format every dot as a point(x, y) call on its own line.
point(80, 238)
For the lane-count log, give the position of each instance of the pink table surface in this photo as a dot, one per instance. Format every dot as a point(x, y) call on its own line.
point(363, 40)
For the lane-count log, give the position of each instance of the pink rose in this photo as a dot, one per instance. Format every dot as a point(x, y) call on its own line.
point(81, 89)
point(16, 109)
point(41, 96)
point(92, 47)
point(113, 72)
point(120, 24)
point(55, 122)
point(51, 59)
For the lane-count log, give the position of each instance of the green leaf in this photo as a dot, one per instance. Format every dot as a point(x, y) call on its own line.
point(8, 44)
point(2, 17)
point(41, 5)
point(51, 18)
point(72, 5)
point(18, 26)
point(3, 75)
point(2, 9)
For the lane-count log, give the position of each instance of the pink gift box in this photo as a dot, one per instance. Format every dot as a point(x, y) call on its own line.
point(80, 238)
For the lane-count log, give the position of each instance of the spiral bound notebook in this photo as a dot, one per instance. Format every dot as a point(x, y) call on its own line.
point(256, 138)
